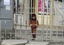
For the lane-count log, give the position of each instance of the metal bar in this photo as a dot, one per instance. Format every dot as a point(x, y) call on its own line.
point(62, 28)
point(47, 13)
point(31, 9)
point(22, 17)
point(5, 30)
point(16, 5)
point(5, 19)
point(0, 32)
point(51, 14)
point(0, 25)
point(47, 23)
point(20, 24)
point(16, 13)
point(57, 0)
point(42, 16)
point(26, 14)
point(33, 33)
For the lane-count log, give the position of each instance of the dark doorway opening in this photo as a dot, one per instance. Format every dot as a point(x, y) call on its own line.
point(60, 0)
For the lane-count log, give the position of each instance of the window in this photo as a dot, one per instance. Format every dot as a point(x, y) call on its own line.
point(53, 34)
point(44, 31)
point(43, 6)
point(63, 35)
point(16, 18)
point(60, 0)
point(55, 0)
point(59, 34)
point(19, 6)
point(59, 31)
point(31, 8)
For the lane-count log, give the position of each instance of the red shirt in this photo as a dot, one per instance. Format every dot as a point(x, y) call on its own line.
point(34, 23)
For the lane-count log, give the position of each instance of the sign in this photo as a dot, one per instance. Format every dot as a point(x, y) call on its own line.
point(6, 2)
point(7, 7)
point(42, 6)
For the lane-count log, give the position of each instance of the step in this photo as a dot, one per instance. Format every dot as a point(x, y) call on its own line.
point(14, 42)
point(37, 43)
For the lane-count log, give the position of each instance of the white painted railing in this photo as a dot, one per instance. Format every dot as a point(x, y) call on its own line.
point(23, 31)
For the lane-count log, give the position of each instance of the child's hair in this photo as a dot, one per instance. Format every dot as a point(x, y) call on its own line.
point(33, 15)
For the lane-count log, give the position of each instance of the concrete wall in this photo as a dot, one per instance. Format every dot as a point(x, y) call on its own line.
point(62, 0)
point(7, 15)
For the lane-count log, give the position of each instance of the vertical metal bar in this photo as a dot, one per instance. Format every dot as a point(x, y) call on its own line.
point(22, 16)
point(31, 12)
point(15, 16)
point(5, 30)
point(19, 16)
point(51, 18)
point(0, 32)
point(51, 14)
point(57, 0)
point(56, 27)
point(16, 6)
point(15, 26)
point(21, 25)
point(41, 11)
point(47, 13)
point(62, 27)
point(47, 22)
point(0, 25)
point(10, 35)
point(62, 24)
point(25, 17)
point(31, 9)
point(13, 20)
point(42, 18)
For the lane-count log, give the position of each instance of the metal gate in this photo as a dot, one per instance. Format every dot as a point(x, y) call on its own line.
point(51, 27)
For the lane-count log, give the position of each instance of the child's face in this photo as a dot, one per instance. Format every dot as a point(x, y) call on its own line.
point(33, 17)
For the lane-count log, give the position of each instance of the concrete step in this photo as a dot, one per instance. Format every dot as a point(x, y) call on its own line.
point(14, 42)
point(37, 43)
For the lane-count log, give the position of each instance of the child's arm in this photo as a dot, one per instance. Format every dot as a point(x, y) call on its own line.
point(37, 23)
point(30, 23)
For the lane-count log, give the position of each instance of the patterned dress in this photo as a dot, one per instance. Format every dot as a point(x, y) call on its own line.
point(34, 24)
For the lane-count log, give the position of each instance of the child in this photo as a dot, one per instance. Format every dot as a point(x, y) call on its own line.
point(34, 24)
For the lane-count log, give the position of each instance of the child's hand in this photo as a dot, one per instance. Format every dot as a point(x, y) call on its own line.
point(36, 24)
point(30, 24)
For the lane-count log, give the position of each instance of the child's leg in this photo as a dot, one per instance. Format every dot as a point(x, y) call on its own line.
point(34, 31)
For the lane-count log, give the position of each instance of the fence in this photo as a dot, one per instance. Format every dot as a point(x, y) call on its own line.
point(45, 32)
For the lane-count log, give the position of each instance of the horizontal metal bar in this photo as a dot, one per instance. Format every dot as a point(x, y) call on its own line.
point(5, 18)
point(21, 25)
point(1, 6)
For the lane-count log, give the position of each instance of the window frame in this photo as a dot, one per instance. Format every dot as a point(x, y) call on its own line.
point(45, 9)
